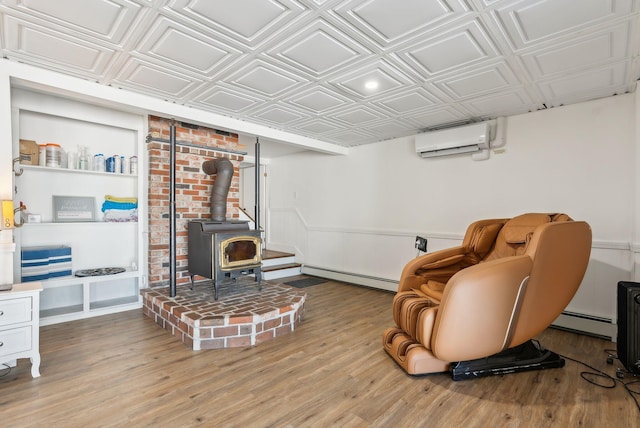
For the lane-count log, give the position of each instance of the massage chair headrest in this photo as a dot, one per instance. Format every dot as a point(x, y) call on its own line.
point(512, 237)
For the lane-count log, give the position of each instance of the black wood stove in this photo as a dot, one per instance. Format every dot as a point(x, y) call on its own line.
point(220, 250)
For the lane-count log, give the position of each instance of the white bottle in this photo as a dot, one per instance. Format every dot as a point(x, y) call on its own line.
point(42, 154)
point(98, 162)
point(72, 160)
point(83, 158)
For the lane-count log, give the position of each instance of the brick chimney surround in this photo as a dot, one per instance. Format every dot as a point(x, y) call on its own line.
point(193, 190)
point(245, 316)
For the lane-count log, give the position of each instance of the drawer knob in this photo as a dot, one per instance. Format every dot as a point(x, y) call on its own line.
point(1, 313)
point(1, 344)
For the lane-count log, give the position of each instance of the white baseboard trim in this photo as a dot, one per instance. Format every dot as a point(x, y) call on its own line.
point(353, 278)
point(600, 327)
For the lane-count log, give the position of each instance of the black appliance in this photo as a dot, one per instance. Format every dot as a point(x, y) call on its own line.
point(628, 342)
point(223, 249)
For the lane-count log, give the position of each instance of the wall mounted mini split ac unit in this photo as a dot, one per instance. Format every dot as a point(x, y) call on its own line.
point(475, 139)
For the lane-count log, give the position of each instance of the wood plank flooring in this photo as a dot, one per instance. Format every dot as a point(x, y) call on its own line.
point(124, 370)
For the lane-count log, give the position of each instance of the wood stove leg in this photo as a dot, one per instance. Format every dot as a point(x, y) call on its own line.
point(215, 289)
point(192, 282)
point(259, 279)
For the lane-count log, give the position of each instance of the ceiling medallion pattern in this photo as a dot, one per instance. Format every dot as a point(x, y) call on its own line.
point(346, 72)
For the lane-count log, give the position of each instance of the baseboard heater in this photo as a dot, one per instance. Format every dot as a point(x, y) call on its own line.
point(353, 278)
point(603, 328)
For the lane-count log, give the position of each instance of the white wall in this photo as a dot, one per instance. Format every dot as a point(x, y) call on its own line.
point(359, 213)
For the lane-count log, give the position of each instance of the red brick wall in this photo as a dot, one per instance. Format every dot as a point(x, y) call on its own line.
point(193, 191)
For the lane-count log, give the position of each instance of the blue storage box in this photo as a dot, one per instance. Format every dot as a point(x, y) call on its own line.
point(46, 262)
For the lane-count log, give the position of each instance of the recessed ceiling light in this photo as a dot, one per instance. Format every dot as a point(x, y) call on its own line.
point(371, 84)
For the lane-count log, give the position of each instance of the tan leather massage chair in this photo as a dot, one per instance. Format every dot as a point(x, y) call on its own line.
point(474, 309)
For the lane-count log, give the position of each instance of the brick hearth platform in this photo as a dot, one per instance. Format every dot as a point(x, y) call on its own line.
point(242, 316)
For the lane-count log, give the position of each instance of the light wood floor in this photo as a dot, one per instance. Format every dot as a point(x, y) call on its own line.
point(124, 370)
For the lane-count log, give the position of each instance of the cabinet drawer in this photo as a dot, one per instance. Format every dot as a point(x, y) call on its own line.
point(15, 340)
point(13, 311)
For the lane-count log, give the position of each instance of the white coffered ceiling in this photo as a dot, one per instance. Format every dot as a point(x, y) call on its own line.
point(304, 66)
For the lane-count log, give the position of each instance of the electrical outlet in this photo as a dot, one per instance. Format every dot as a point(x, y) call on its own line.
point(421, 244)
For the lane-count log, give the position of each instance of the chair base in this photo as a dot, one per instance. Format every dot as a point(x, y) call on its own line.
point(525, 357)
point(414, 358)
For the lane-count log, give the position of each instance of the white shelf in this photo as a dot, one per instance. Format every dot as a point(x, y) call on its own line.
point(73, 313)
point(61, 310)
point(97, 305)
point(61, 170)
point(110, 303)
point(74, 280)
point(76, 223)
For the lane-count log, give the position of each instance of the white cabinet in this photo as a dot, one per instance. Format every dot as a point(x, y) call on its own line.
point(94, 243)
point(19, 325)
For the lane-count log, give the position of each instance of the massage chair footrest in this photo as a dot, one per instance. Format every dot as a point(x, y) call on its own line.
point(525, 357)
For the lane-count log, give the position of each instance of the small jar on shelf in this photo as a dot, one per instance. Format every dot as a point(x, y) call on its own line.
point(53, 155)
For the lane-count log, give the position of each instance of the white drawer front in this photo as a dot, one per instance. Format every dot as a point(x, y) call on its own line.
point(15, 340)
point(13, 311)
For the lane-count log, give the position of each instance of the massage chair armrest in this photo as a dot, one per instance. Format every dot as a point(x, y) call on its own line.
point(438, 261)
point(475, 315)
point(442, 265)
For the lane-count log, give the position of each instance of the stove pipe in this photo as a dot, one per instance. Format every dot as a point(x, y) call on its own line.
point(223, 168)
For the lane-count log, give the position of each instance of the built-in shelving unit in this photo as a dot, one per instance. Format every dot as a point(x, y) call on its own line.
point(71, 297)
point(94, 244)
